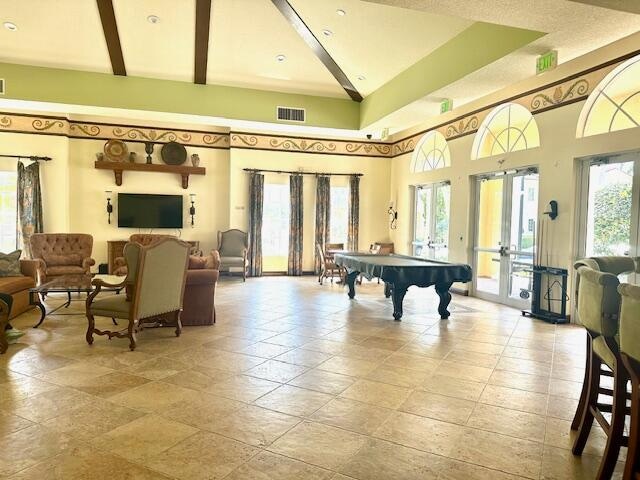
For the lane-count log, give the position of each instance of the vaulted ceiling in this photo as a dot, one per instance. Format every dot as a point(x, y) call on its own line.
point(402, 56)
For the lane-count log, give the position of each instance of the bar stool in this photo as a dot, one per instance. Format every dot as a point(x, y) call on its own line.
point(598, 306)
point(630, 353)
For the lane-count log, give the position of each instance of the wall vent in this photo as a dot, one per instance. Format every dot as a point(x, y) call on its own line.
point(1, 86)
point(290, 114)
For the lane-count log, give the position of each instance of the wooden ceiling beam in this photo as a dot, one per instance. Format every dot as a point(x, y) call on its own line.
point(203, 19)
point(310, 39)
point(110, 29)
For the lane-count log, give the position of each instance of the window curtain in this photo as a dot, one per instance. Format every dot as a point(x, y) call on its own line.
point(29, 205)
point(354, 212)
point(294, 266)
point(256, 201)
point(323, 215)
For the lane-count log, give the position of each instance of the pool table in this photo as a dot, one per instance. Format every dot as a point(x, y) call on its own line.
point(399, 272)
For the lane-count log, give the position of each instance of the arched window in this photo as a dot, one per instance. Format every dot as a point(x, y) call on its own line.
point(508, 128)
point(615, 102)
point(432, 152)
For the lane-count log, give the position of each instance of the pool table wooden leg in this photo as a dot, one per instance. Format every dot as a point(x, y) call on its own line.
point(397, 294)
point(351, 280)
point(442, 289)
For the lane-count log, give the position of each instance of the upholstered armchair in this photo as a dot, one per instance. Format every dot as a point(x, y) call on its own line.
point(154, 284)
point(62, 254)
point(146, 239)
point(233, 246)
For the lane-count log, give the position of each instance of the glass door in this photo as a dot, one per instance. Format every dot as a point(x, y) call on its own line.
point(431, 225)
point(506, 220)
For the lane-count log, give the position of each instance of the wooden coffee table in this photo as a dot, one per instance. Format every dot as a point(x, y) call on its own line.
point(67, 284)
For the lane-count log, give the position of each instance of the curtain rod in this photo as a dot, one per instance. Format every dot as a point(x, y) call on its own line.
point(317, 174)
point(33, 158)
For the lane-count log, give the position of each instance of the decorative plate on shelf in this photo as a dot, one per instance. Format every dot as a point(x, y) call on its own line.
point(116, 150)
point(173, 153)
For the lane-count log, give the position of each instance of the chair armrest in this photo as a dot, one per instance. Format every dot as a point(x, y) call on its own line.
point(29, 268)
point(98, 282)
point(87, 263)
point(213, 261)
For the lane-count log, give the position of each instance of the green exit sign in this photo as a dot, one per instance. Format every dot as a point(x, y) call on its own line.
point(446, 105)
point(547, 62)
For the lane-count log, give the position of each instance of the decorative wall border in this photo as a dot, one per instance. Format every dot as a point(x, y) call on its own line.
point(574, 88)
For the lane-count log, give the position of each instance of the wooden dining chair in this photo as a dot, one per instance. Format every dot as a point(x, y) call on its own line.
point(5, 311)
point(328, 268)
point(630, 354)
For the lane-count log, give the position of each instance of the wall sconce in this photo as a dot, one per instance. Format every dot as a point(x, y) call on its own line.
point(109, 206)
point(553, 210)
point(393, 216)
point(192, 209)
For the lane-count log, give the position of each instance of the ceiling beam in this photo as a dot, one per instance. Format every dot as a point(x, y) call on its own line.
point(203, 18)
point(310, 39)
point(110, 29)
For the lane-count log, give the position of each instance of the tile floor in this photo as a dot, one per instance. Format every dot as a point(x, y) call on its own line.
point(297, 382)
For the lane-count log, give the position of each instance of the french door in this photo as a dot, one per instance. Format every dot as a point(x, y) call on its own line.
point(504, 248)
point(431, 224)
point(608, 221)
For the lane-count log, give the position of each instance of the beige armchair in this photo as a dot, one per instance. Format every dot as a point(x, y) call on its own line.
point(155, 287)
point(233, 246)
point(61, 254)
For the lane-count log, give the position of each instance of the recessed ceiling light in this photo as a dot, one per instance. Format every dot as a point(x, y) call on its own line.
point(281, 58)
point(341, 12)
point(12, 27)
point(361, 77)
point(153, 19)
point(327, 33)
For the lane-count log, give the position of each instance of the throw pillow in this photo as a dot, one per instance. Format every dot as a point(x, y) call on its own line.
point(10, 264)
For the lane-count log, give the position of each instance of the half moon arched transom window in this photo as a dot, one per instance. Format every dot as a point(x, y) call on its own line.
point(432, 152)
point(615, 102)
point(508, 128)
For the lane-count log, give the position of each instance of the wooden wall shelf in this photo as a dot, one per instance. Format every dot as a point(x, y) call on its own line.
point(118, 167)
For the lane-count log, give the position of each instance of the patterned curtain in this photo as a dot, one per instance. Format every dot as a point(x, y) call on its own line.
point(256, 200)
point(354, 212)
point(29, 205)
point(295, 226)
point(323, 214)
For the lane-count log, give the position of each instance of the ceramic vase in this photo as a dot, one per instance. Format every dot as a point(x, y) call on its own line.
point(195, 159)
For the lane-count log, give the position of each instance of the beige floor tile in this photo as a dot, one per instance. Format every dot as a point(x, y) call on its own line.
point(330, 347)
point(118, 360)
point(293, 400)
point(376, 393)
point(486, 360)
point(157, 368)
point(521, 381)
point(243, 388)
point(74, 374)
point(10, 423)
point(516, 399)
point(110, 384)
point(229, 344)
point(276, 371)
point(82, 462)
point(466, 471)
point(362, 352)
point(304, 357)
point(426, 434)
point(352, 415)
point(320, 445)
point(440, 407)
point(39, 364)
point(50, 404)
point(322, 381)
point(383, 343)
point(23, 387)
point(380, 460)
point(454, 387)
point(348, 366)
point(463, 371)
point(28, 446)
point(254, 425)
point(523, 366)
point(559, 434)
point(269, 466)
point(402, 377)
point(143, 438)
point(516, 423)
point(541, 356)
point(265, 350)
point(233, 362)
point(560, 464)
point(500, 452)
point(561, 407)
point(203, 412)
point(565, 388)
point(412, 362)
point(203, 456)
point(198, 378)
point(153, 396)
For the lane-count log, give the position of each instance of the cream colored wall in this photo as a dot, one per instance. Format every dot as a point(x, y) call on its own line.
point(87, 200)
point(556, 159)
point(54, 175)
point(374, 190)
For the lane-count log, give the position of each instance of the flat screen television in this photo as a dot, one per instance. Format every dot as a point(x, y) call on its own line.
point(137, 210)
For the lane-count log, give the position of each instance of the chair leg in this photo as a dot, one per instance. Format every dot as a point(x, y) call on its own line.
point(586, 422)
point(616, 431)
point(178, 324)
point(132, 335)
point(90, 327)
point(632, 465)
point(585, 388)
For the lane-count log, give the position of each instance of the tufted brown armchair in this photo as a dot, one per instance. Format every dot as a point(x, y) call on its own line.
point(61, 254)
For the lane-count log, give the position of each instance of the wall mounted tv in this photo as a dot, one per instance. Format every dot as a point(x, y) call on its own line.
point(136, 210)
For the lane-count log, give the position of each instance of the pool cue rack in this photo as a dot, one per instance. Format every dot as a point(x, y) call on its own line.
point(543, 298)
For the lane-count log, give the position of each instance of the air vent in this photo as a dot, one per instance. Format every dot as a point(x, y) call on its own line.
point(1, 86)
point(290, 114)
